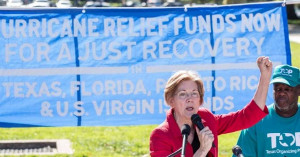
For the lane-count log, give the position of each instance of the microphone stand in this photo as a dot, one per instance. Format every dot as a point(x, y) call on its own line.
point(185, 131)
point(183, 145)
point(175, 153)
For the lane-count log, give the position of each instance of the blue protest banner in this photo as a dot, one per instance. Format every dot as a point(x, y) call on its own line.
point(108, 67)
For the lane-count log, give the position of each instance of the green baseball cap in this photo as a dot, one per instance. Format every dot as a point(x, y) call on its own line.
point(286, 74)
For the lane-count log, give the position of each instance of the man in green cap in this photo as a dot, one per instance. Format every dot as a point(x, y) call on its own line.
point(278, 134)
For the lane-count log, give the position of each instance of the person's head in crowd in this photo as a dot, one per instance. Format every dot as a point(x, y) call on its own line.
point(286, 80)
point(184, 92)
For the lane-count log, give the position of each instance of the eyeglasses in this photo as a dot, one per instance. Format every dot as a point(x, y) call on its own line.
point(184, 94)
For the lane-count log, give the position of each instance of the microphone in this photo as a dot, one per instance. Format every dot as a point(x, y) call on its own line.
point(237, 151)
point(198, 122)
point(185, 131)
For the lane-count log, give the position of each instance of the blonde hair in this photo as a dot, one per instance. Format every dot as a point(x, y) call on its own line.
point(177, 78)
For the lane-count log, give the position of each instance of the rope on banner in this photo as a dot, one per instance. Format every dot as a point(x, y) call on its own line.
point(291, 2)
point(284, 3)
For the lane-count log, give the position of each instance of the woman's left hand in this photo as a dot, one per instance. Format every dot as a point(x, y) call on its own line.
point(206, 138)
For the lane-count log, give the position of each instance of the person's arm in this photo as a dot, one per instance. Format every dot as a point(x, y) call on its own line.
point(265, 68)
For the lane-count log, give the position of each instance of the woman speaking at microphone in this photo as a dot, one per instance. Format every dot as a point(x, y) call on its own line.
point(184, 94)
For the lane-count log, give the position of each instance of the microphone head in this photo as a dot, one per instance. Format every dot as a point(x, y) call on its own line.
point(185, 129)
point(236, 150)
point(195, 118)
